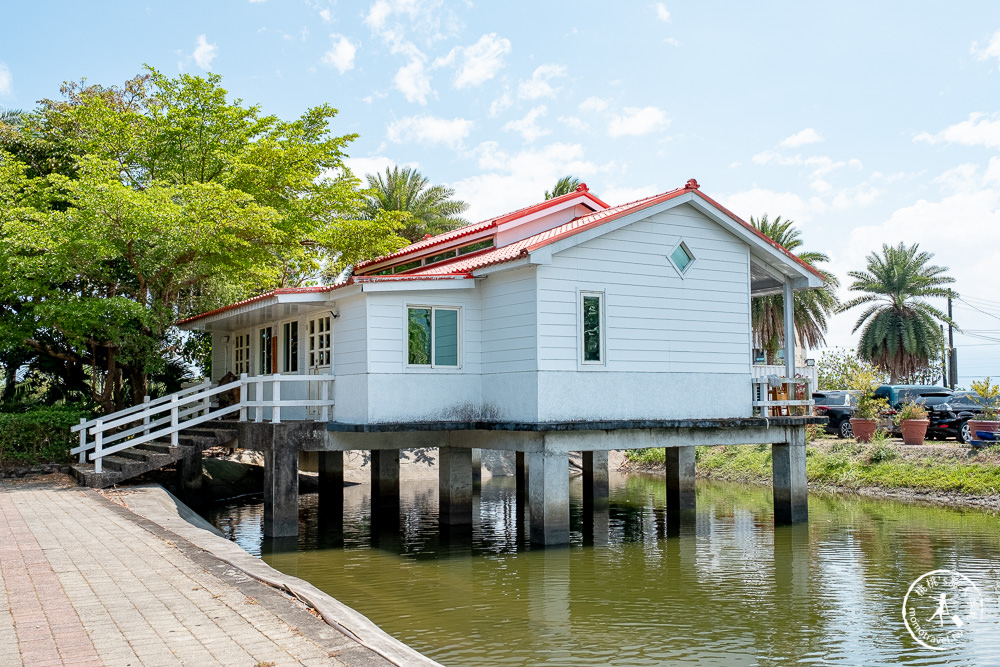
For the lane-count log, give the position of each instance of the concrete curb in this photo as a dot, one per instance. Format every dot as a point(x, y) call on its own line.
point(158, 505)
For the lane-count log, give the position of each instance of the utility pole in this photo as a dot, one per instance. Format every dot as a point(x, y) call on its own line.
point(952, 353)
point(944, 360)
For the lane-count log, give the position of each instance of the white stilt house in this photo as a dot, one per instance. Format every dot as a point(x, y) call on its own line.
point(566, 310)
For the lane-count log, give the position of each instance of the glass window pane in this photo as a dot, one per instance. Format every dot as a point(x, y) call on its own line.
point(419, 334)
point(681, 258)
point(445, 337)
point(591, 328)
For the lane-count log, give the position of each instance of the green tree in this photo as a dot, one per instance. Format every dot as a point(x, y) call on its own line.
point(811, 307)
point(428, 209)
point(125, 208)
point(900, 332)
point(837, 368)
point(564, 186)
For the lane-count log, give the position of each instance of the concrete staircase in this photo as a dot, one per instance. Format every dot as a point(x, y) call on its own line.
point(143, 458)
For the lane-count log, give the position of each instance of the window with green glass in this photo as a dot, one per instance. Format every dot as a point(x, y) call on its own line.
point(592, 327)
point(682, 257)
point(475, 247)
point(433, 336)
point(441, 257)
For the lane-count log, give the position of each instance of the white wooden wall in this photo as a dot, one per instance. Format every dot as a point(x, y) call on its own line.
point(510, 343)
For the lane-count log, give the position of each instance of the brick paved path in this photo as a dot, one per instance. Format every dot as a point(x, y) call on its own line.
point(83, 582)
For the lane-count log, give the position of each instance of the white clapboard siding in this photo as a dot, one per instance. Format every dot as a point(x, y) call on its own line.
point(509, 323)
point(655, 320)
point(350, 331)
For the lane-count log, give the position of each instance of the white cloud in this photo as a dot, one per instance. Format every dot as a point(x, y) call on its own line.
point(325, 15)
point(574, 123)
point(479, 62)
point(430, 130)
point(412, 80)
point(635, 121)
point(991, 50)
point(671, 41)
point(801, 138)
point(758, 201)
point(256, 1)
point(377, 164)
point(6, 80)
point(624, 195)
point(500, 104)
point(662, 13)
point(528, 126)
point(511, 181)
point(341, 53)
point(378, 14)
point(538, 85)
point(204, 53)
point(978, 130)
point(595, 104)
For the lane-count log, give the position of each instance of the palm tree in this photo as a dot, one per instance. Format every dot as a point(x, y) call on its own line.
point(432, 209)
point(900, 332)
point(810, 307)
point(564, 186)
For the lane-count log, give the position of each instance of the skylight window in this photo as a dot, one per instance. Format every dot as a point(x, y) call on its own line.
point(682, 258)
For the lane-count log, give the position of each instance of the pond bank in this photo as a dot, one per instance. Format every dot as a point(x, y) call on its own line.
point(949, 474)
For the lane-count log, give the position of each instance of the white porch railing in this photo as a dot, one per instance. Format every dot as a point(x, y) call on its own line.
point(767, 370)
point(766, 402)
point(169, 415)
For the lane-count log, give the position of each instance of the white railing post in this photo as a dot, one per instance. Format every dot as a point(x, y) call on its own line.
point(276, 399)
point(98, 446)
point(173, 421)
point(259, 399)
point(324, 395)
point(145, 416)
point(243, 390)
point(83, 440)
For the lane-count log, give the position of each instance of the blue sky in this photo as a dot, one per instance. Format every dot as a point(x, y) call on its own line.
point(867, 123)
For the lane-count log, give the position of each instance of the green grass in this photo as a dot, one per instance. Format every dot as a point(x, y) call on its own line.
point(848, 465)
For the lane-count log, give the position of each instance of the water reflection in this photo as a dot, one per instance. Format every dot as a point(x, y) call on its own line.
point(639, 585)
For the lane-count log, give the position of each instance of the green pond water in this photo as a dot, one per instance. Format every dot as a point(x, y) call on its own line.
point(638, 587)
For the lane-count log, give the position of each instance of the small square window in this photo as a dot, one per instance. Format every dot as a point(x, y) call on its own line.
point(433, 337)
point(682, 257)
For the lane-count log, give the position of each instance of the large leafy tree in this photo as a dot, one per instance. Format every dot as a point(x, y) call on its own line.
point(810, 307)
point(127, 207)
point(563, 186)
point(428, 209)
point(900, 332)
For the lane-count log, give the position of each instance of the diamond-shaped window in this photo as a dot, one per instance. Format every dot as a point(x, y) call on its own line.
point(682, 257)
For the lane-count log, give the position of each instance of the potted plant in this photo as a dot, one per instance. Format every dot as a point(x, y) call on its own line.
point(912, 421)
point(867, 407)
point(989, 419)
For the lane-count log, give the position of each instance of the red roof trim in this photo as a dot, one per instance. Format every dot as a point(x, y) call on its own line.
point(482, 226)
point(263, 297)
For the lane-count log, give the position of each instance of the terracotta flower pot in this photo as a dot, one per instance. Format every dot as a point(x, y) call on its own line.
point(864, 429)
point(979, 425)
point(914, 430)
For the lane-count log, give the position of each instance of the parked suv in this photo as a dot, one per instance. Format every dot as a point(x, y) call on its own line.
point(838, 407)
point(897, 394)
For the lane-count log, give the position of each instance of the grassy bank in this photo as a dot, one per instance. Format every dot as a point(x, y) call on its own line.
point(851, 465)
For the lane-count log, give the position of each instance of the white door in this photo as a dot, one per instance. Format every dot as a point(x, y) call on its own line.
point(320, 356)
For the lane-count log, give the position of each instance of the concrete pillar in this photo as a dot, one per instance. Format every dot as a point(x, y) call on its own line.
point(455, 486)
point(680, 479)
point(189, 478)
point(788, 304)
point(281, 489)
point(385, 487)
point(548, 497)
point(595, 481)
point(791, 489)
point(521, 475)
point(330, 466)
point(477, 469)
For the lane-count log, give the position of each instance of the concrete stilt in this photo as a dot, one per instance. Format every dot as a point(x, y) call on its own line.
point(477, 469)
point(548, 497)
point(385, 487)
point(331, 486)
point(189, 478)
point(521, 475)
point(595, 481)
point(791, 489)
point(455, 486)
point(281, 489)
point(680, 479)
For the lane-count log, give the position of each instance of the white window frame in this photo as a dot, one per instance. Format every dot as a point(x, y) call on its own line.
point(246, 364)
point(580, 295)
point(285, 347)
point(406, 338)
point(264, 353)
point(687, 249)
point(319, 329)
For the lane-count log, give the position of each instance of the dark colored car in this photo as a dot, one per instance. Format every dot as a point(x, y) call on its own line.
point(837, 406)
point(950, 418)
point(897, 394)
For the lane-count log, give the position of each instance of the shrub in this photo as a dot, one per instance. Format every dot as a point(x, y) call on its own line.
point(39, 434)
